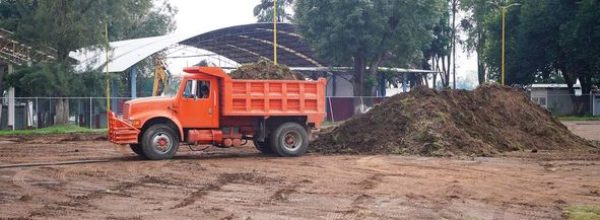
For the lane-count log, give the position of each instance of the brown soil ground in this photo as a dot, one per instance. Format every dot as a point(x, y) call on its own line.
point(487, 121)
point(265, 69)
point(243, 184)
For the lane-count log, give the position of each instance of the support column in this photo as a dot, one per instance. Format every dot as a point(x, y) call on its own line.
point(115, 94)
point(11, 102)
point(133, 81)
point(381, 83)
point(405, 82)
point(333, 84)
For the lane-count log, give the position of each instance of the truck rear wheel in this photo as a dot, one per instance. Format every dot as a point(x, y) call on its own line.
point(263, 147)
point(137, 149)
point(289, 140)
point(159, 142)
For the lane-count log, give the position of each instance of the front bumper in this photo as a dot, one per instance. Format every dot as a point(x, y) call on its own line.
point(121, 132)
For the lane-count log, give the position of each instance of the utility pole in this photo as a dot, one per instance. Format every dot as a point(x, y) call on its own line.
point(108, 81)
point(275, 32)
point(503, 44)
point(454, 6)
point(503, 10)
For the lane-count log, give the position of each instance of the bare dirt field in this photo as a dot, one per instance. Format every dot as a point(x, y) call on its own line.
point(243, 184)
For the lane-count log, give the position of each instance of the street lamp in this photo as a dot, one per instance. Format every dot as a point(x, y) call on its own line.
point(275, 32)
point(503, 10)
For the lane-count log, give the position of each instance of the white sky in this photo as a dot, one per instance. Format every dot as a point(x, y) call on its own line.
point(198, 16)
point(207, 15)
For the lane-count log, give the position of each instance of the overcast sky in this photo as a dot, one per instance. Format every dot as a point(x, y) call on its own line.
point(207, 15)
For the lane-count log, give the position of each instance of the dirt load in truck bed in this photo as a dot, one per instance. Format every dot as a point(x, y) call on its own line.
point(265, 69)
point(483, 122)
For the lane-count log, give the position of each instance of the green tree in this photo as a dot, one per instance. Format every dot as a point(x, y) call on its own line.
point(439, 49)
point(580, 42)
point(547, 38)
point(67, 25)
point(367, 33)
point(264, 10)
point(492, 51)
point(474, 25)
point(549, 41)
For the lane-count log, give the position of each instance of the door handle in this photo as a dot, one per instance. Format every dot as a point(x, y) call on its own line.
point(210, 111)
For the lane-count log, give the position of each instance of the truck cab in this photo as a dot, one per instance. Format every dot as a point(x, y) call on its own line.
point(205, 106)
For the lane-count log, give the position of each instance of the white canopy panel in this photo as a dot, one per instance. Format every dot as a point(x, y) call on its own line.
point(126, 53)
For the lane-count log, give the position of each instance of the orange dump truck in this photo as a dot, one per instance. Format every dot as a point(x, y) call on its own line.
point(205, 106)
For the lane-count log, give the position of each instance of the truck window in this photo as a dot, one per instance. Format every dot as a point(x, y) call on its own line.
point(189, 92)
point(172, 87)
point(203, 89)
point(199, 89)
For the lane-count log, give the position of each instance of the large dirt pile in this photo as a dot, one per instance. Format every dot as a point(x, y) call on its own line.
point(483, 122)
point(265, 69)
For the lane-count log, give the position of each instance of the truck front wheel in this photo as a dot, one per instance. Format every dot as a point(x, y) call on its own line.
point(137, 149)
point(289, 139)
point(159, 142)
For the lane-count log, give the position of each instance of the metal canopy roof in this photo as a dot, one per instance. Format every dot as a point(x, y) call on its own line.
point(249, 43)
point(242, 44)
point(124, 54)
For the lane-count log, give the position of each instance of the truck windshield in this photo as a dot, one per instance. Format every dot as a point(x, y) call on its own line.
point(172, 87)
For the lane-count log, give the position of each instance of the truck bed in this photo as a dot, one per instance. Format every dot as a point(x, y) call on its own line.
point(274, 98)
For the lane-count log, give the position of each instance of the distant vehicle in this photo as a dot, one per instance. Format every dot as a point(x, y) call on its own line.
point(205, 106)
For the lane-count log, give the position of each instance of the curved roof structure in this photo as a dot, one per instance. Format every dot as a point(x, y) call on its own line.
point(249, 43)
point(242, 44)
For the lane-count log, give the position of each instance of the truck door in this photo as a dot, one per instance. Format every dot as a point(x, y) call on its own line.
point(198, 106)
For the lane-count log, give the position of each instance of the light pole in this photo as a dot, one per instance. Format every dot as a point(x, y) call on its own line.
point(275, 32)
point(503, 59)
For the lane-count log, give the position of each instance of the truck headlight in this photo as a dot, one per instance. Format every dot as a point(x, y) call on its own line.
point(134, 122)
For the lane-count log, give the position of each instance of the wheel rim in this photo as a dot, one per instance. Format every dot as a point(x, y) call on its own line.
point(161, 143)
point(292, 141)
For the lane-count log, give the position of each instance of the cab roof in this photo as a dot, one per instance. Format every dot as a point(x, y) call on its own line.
point(212, 71)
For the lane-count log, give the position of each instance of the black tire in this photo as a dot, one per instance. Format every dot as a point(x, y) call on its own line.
point(263, 147)
point(289, 140)
point(159, 142)
point(137, 149)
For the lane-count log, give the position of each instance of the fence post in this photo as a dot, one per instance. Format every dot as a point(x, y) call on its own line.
point(331, 109)
point(592, 103)
point(362, 105)
point(50, 110)
point(37, 112)
point(91, 110)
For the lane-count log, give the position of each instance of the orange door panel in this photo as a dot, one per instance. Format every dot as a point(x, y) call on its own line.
point(198, 106)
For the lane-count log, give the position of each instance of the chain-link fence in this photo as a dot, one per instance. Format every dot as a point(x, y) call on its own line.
point(90, 112)
point(40, 112)
point(567, 104)
point(343, 108)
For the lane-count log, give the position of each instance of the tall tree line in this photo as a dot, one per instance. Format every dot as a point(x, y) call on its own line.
point(68, 25)
point(547, 40)
point(369, 34)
